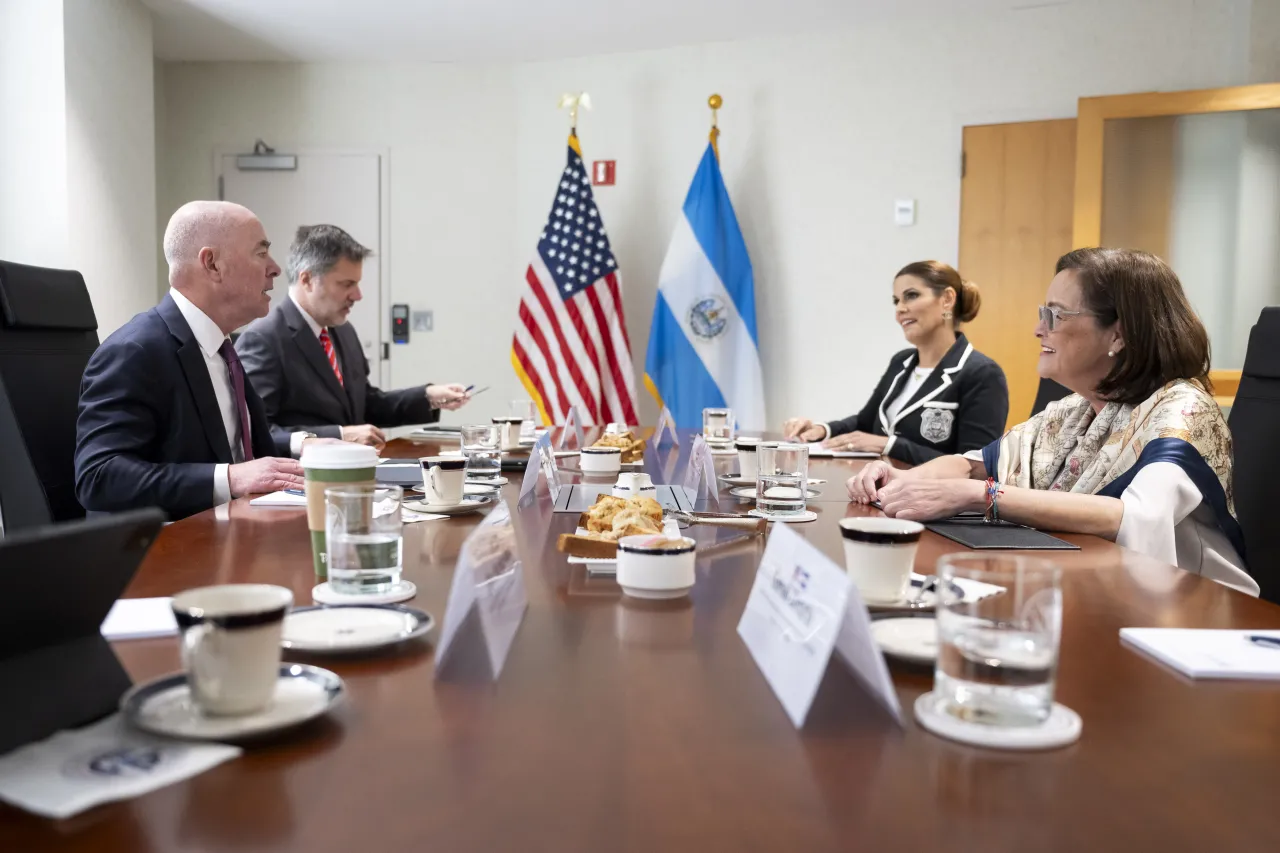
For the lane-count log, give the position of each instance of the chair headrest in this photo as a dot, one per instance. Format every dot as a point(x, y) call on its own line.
point(40, 298)
point(1262, 360)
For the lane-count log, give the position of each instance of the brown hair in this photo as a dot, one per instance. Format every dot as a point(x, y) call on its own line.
point(940, 277)
point(1164, 340)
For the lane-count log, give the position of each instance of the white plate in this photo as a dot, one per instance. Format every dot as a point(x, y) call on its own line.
point(354, 628)
point(749, 494)
point(751, 481)
point(470, 503)
point(1062, 728)
point(807, 515)
point(165, 707)
point(401, 591)
point(500, 481)
point(723, 451)
point(911, 638)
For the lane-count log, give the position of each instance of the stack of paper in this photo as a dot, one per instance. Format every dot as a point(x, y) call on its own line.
point(1210, 654)
point(139, 618)
point(280, 499)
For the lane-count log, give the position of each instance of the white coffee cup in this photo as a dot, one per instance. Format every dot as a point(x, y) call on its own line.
point(652, 565)
point(600, 460)
point(231, 644)
point(509, 432)
point(443, 479)
point(746, 448)
point(879, 554)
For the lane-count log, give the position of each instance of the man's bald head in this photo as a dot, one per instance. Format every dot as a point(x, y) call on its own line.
point(218, 258)
point(200, 224)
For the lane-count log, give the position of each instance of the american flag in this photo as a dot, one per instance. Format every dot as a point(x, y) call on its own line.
point(571, 347)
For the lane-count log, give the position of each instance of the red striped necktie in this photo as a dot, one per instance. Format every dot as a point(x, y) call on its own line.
point(331, 354)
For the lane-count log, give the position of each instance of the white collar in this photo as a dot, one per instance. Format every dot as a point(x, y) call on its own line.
point(207, 333)
point(311, 321)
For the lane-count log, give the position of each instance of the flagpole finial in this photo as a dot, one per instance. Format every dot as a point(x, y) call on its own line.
point(715, 102)
point(573, 101)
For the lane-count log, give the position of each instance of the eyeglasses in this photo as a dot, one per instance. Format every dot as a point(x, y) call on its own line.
point(1051, 316)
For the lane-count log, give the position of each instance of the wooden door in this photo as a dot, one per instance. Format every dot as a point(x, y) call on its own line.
point(1016, 208)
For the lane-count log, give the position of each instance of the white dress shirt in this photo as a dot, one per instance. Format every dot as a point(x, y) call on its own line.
point(210, 339)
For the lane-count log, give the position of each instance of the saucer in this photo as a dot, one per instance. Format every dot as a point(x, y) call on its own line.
point(165, 707)
point(910, 638)
point(470, 503)
point(1062, 728)
point(470, 487)
point(353, 628)
point(751, 481)
point(656, 594)
point(723, 451)
point(807, 515)
point(499, 481)
point(402, 591)
point(749, 493)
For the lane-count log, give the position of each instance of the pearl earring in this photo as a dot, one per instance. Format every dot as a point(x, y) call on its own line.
point(1111, 354)
point(946, 315)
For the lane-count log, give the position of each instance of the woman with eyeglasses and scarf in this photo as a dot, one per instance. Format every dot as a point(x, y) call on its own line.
point(1139, 453)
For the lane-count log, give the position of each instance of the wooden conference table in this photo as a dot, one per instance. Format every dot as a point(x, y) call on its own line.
point(619, 725)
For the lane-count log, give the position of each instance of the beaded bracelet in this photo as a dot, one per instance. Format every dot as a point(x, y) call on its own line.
point(994, 491)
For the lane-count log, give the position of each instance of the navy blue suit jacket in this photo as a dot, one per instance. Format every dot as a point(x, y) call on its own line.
point(149, 430)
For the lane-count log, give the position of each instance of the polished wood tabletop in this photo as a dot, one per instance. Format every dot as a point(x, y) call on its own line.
point(621, 725)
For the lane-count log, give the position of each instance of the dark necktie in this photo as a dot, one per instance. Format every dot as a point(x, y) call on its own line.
point(236, 369)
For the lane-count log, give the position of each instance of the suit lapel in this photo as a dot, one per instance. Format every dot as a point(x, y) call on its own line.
point(309, 345)
point(198, 380)
point(951, 363)
point(888, 395)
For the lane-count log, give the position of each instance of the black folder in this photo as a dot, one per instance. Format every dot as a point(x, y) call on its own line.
point(58, 583)
point(973, 532)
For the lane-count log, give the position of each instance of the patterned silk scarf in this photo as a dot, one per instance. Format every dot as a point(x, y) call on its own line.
point(1069, 448)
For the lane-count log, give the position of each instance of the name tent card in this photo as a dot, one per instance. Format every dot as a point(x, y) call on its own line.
point(700, 473)
point(803, 607)
point(666, 427)
point(572, 420)
point(486, 602)
point(542, 462)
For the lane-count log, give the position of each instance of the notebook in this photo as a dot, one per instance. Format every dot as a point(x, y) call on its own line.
point(973, 532)
point(1209, 653)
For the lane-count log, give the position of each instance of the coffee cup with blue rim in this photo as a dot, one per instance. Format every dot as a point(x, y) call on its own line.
point(231, 644)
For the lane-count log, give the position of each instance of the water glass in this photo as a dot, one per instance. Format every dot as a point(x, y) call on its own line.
point(717, 426)
point(782, 477)
point(998, 656)
point(480, 444)
point(365, 538)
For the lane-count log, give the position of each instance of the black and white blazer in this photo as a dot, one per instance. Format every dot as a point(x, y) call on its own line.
point(961, 406)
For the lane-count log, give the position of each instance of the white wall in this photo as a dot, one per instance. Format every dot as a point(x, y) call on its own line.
point(111, 166)
point(33, 142)
point(821, 134)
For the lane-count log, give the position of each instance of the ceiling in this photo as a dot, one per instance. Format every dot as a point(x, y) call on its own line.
point(497, 30)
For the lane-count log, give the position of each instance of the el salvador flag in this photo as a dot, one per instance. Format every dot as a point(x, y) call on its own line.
point(703, 347)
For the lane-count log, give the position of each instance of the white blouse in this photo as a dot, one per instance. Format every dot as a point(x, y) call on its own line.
point(1165, 517)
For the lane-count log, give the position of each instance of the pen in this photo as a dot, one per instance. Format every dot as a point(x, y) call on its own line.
point(1267, 642)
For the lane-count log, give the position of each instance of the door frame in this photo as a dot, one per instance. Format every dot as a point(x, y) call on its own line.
point(1091, 117)
point(383, 372)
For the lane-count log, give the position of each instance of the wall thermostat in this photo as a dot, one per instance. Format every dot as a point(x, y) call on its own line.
point(400, 324)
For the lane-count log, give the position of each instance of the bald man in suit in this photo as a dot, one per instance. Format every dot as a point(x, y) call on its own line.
point(166, 415)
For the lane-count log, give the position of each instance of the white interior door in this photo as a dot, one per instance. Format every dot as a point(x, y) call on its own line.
point(334, 189)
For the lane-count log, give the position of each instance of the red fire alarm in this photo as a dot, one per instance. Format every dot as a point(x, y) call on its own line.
point(602, 172)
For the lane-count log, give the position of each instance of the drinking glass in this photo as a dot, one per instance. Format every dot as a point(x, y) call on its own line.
point(782, 477)
point(998, 656)
point(717, 426)
point(480, 444)
point(364, 534)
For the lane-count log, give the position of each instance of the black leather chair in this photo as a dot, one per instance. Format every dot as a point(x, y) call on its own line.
point(1255, 430)
point(1048, 392)
point(47, 333)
